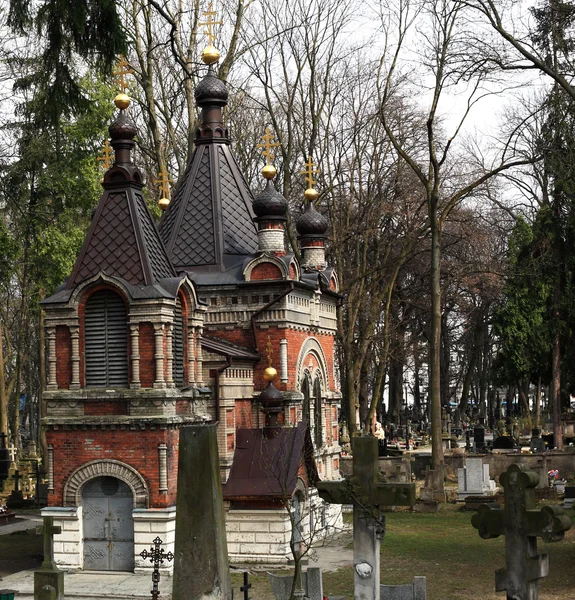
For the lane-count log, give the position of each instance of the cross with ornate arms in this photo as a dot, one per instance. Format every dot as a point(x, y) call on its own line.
point(49, 530)
point(157, 556)
point(122, 69)
point(368, 494)
point(268, 143)
point(209, 24)
point(164, 182)
point(309, 172)
point(521, 524)
point(106, 157)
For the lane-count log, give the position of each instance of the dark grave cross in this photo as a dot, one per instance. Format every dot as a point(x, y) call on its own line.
point(521, 524)
point(368, 494)
point(17, 478)
point(247, 585)
point(157, 556)
point(3, 438)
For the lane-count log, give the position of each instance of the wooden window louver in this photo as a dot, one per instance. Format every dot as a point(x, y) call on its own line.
point(318, 429)
point(178, 351)
point(106, 340)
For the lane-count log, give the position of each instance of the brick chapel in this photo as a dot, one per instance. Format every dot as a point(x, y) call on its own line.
point(159, 326)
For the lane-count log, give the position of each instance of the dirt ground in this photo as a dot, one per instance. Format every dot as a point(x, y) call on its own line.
point(19, 551)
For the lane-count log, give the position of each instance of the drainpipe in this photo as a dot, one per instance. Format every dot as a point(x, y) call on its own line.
point(265, 307)
point(218, 371)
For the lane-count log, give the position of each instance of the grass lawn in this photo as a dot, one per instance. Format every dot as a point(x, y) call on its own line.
point(458, 564)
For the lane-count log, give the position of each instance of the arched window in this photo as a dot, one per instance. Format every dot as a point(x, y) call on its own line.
point(106, 340)
point(306, 409)
point(178, 347)
point(318, 429)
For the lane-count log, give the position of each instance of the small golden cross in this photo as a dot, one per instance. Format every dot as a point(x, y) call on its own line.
point(209, 24)
point(122, 69)
point(269, 353)
point(268, 144)
point(106, 156)
point(164, 182)
point(309, 172)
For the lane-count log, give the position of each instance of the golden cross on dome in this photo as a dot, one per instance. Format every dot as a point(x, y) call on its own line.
point(309, 172)
point(106, 157)
point(122, 69)
point(268, 144)
point(164, 182)
point(209, 24)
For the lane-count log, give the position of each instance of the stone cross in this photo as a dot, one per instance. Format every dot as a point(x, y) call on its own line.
point(48, 573)
point(17, 478)
point(367, 492)
point(521, 524)
point(12, 450)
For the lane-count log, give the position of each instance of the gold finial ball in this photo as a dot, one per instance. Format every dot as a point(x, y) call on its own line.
point(210, 55)
point(163, 203)
point(270, 374)
point(311, 195)
point(269, 172)
point(122, 101)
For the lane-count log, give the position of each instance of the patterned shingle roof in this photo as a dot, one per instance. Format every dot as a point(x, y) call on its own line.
point(122, 241)
point(211, 212)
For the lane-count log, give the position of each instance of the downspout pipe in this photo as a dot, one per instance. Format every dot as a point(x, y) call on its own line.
point(258, 312)
point(218, 372)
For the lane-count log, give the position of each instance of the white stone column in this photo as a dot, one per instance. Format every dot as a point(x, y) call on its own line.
point(163, 463)
point(199, 361)
point(169, 356)
point(284, 361)
point(159, 355)
point(52, 381)
point(50, 468)
point(75, 336)
point(135, 339)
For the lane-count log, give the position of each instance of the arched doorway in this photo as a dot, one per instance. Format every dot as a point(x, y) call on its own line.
point(107, 505)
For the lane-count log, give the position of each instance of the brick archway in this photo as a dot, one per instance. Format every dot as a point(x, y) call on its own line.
point(108, 468)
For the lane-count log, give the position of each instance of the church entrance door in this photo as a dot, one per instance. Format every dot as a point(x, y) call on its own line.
point(107, 506)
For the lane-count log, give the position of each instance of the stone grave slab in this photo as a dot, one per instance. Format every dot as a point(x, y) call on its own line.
point(473, 479)
point(569, 499)
point(409, 591)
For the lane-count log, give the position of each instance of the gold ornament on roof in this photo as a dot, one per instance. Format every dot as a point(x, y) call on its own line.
point(210, 55)
point(269, 171)
point(270, 373)
point(106, 157)
point(122, 100)
point(164, 182)
point(310, 194)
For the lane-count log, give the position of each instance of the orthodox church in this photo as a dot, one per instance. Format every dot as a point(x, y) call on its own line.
point(159, 326)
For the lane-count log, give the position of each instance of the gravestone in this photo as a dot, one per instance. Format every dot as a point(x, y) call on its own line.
point(49, 575)
point(368, 494)
point(521, 525)
point(537, 444)
point(16, 497)
point(479, 438)
point(410, 591)
point(473, 479)
point(312, 584)
point(200, 554)
point(569, 499)
point(504, 442)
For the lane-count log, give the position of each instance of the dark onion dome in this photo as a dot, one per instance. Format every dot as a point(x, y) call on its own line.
point(270, 204)
point(271, 397)
point(312, 223)
point(122, 128)
point(211, 89)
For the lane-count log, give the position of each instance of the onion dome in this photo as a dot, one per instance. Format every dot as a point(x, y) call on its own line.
point(211, 90)
point(270, 204)
point(122, 128)
point(311, 223)
point(271, 398)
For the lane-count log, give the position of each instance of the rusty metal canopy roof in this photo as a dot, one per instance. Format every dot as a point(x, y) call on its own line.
point(228, 349)
point(268, 467)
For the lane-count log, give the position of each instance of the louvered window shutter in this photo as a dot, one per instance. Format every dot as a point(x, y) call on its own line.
point(178, 344)
point(106, 340)
point(318, 433)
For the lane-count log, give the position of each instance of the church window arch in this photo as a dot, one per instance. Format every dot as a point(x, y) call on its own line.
point(106, 340)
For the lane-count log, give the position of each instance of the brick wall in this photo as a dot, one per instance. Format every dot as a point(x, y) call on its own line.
point(266, 271)
point(138, 449)
point(112, 407)
point(146, 343)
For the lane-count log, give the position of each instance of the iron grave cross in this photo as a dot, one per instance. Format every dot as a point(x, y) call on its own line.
point(367, 492)
point(521, 524)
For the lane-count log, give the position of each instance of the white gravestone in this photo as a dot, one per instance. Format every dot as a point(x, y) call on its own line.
point(473, 479)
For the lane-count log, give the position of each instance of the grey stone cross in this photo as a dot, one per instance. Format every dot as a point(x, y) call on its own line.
point(521, 524)
point(368, 493)
point(48, 573)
